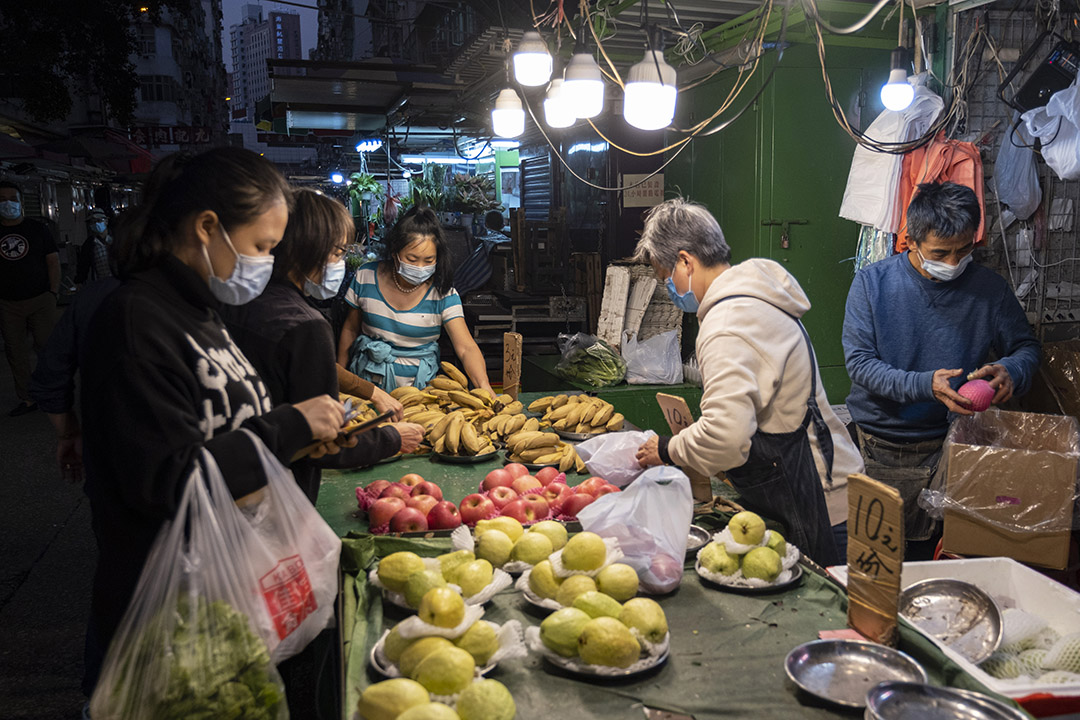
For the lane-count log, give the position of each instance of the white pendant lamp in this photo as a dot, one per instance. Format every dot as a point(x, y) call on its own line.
point(532, 61)
point(897, 93)
point(650, 93)
point(583, 85)
point(558, 113)
point(508, 117)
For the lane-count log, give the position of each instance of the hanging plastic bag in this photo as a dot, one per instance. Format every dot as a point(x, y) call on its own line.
point(295, 555)
point(588, 359)
point(613, 456)
point(1058, 127)
point(188, 645)
point(1016, 176)
point(656, 361)
point(651, 520)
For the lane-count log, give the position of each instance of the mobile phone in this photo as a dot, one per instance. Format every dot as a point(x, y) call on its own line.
point(368, 424)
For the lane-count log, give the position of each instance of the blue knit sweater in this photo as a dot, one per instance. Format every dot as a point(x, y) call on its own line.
point(899, 327)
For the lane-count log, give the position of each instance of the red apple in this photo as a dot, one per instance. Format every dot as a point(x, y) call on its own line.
point(547, 475)
point(375, 488)
point(427, 488)
point(520, 511)
point(516, 469)
point(525, 483)
point(408, 520)
point(556, 494)
point(395, 490)
point(574, 503)
point(501, 496)
point(666, 571)
point(411, 479)
point(498, 478)
point(476, 507)
point(382, 510)
point(444, 516)
point(538, 503)
point(607, 488)
point(591, 486)
point(423, 503)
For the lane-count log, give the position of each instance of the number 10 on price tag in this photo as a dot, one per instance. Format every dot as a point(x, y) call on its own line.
point(875, 554)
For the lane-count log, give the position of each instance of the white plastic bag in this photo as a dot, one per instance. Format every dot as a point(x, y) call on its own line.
point(613, 456)
point(1016, 176)
point(295, 556)
point(189, 643)
point(656, 361)
point(1058, 126)
point(651, 521)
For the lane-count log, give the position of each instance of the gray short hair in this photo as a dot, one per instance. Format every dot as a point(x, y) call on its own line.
point(676, 225)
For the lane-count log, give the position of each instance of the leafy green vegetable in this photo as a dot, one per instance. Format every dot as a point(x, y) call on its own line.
point(590, 360)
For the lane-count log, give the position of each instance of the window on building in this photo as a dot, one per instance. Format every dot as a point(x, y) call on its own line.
point(157, 88)
point(147, 41)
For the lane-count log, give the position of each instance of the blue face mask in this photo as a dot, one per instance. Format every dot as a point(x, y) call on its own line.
point(10, 209)
point(415, 274)
point(331, 282)
point(249, 277)
point(686, 302)
point(98, 227)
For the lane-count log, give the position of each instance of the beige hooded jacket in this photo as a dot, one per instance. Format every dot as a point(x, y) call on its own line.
point(756, 370)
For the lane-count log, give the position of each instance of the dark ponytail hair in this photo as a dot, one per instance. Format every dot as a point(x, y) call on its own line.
point(237, 184)
point(317, 224)
point(419, 221)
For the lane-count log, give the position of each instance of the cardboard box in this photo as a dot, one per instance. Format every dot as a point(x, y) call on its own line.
point(1011, 485)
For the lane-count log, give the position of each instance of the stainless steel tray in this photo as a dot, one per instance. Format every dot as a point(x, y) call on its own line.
point(958, 614)
point(842, 671)
point(915, 701)
point(699, 537)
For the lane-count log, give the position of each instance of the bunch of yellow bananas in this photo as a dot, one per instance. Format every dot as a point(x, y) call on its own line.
point(543, 448)
point(578, 414)
point(456, 434)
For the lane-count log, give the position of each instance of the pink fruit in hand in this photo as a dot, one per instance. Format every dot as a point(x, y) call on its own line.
point(979, 392)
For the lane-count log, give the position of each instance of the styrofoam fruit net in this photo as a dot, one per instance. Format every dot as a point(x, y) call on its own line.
point(1042, 640)
point(1018, 626)
point(1004, 666)
point(463, 539)
point(650, 656)
point(1064, 654)
point(522, 584)
point(737, 579)
point(614, 555)
point(511, 645)
point(499, 582)
point(736, 548)
point(1059, 677)
point(1032, 662)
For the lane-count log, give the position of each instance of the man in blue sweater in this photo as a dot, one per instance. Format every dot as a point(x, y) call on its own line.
point(915, 326)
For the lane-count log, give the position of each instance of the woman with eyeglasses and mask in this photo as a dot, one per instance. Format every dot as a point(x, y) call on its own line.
point(399, 307)
point(162, 378)
point(291, 344)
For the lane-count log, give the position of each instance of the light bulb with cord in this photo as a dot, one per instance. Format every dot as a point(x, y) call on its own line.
point(650, 92)
point(508, 116)
point(558, 113)
point(897, 93)
point(583, 83)
point(532, 61)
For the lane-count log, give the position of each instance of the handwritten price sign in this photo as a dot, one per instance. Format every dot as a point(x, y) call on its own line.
point(678, 416)
point(875, 555)
point(512, 364)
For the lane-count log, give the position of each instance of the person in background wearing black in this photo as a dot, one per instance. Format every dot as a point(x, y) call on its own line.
point(290, 343)
point(161, 376)
point(29, 281)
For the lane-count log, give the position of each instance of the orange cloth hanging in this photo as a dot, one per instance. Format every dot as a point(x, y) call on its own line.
point(941, 160)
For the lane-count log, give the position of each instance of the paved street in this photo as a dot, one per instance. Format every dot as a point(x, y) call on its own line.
point(48, 559)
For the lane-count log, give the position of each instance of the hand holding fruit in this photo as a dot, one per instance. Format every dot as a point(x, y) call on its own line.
point(999, 379)
point(948, 397)
point(411, 436)
point(383, 401)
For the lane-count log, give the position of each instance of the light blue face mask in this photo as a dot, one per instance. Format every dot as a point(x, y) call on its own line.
point(98, 227)
point(686, 302)
point(415, 274)
point(249, 277)
point(333, 274)
point(10, 209)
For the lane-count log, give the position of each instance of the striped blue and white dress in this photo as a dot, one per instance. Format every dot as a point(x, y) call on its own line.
point(397, 347)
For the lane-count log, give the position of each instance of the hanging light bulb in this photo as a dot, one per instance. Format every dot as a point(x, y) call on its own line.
point(650, 93)
point(532, 61)
point(897, 93)
point(558, 113)
point(583, 86)
point(508, 117)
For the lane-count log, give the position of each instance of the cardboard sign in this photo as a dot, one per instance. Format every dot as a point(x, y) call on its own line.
point(875, 554)
point(678, 416)
point(512, 364)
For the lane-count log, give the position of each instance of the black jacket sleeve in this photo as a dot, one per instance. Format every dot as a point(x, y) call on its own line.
point(306, 357)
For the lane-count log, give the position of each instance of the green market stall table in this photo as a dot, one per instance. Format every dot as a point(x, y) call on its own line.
point(727, 650)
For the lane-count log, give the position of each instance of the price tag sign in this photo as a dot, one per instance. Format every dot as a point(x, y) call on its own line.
point(875, 555)
point(678, 416)
point(512, 364)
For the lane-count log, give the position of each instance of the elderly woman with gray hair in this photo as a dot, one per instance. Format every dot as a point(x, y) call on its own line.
point(765, 420)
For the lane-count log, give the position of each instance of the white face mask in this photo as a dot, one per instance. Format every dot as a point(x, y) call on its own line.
point(332, 276)
point(943, 271)
point(249, 277)
point(10, 209)
point(415, 274)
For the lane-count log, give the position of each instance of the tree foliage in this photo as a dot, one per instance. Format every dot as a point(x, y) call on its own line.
point(50, 49)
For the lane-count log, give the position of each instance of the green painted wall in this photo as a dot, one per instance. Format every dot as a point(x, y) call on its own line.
point(786, 158)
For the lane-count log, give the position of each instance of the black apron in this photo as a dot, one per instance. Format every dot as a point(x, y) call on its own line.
point(780, 480)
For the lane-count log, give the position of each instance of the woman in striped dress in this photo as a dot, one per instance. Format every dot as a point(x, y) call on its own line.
point(398, 308)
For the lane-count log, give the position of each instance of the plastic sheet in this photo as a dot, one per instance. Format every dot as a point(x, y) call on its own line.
point(613, 456)
point(1010, 470)
point(1016, 176)
point(1058, 126)
point(656, 361)
point(588, 359)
